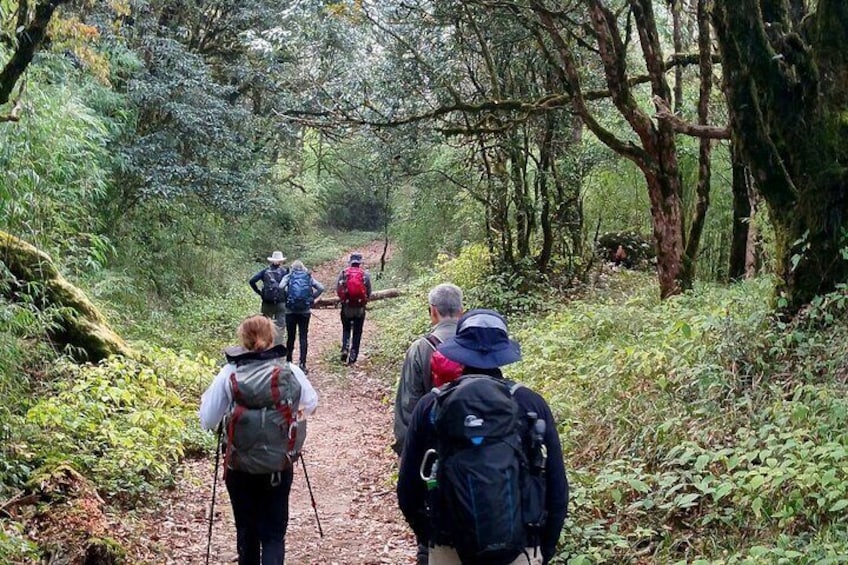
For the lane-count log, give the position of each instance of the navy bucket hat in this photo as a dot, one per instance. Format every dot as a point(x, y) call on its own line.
point(355, 258)
point(481, 341)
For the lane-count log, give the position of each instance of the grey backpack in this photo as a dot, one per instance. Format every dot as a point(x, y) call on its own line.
point(263, 432)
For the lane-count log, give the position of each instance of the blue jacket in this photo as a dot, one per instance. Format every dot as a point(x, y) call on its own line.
point(412, 491)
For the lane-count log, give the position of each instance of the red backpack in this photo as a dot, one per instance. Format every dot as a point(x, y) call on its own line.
point(442, 369)
point(352, 291)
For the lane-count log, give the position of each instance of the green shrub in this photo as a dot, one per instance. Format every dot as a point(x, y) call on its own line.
point(698, 429)
point(14, 547)
point(123, 423)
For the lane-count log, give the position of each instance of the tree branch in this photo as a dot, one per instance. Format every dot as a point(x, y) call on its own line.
point(682, 126)
point(29, 39)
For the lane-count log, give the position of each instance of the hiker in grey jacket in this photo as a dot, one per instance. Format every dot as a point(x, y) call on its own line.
point(445, 302)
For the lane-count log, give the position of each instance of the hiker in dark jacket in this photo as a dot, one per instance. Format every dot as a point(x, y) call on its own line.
point(445, 303)
point(272, 303)
point(258, 474)
point(299, 309)
point(482, 346)
point(352, 314)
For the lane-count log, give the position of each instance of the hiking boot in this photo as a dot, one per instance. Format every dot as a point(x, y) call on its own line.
point(303, 368)
point(343, 357)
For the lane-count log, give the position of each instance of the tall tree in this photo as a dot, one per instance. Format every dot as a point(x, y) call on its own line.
point(786, 80)
point(650, 143)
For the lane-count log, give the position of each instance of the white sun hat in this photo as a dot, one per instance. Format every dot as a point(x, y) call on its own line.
point(276, 257)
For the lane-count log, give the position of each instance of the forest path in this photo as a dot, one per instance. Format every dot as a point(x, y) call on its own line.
point(348, 460)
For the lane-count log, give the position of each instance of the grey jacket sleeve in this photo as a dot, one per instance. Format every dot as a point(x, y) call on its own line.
point(415, 382)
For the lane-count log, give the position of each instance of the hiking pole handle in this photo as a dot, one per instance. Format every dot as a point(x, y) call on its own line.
point(311, 496)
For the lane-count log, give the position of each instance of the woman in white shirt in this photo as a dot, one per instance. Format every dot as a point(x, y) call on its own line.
point(265, 401)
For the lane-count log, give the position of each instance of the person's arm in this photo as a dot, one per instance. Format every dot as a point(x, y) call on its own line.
point(217, 399)
point(308, 396)
point(556, 490)
point(284, 286)
point(367, 278)
point(411, 489)
point(410, 390)
point(255, 279)
point(317, 289)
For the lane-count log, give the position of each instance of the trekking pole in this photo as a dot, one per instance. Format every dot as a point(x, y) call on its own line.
point(311, 496)
point(214, 489)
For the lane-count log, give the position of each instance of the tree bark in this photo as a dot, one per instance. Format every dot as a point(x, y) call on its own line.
point(83, 326)
point(787, 92)
point(740, 185)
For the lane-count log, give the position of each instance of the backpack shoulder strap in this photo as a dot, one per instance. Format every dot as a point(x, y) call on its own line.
point(514, 387)
point(432, 340)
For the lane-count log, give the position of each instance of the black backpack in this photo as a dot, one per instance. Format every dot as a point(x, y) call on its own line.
point(488, 497)
point(299, 291)
point(271, 291)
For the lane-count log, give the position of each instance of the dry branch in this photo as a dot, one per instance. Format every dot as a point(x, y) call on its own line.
point(334, 301)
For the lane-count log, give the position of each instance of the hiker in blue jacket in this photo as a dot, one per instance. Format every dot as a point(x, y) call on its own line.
point(272, 300)
point(482, 346)
point(300, 290)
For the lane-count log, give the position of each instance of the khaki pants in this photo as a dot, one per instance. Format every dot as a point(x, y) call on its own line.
point(444, 555)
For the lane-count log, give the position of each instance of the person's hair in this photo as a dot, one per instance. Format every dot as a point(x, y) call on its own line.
point(446, 298)
point(257, 333)
point(298, 265)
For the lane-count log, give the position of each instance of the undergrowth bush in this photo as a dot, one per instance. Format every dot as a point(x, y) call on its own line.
point(697, 430)
point(123, 423)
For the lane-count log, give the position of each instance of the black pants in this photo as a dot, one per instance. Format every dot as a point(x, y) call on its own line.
point(351, 335)
point(298, 322)
point(261, 510)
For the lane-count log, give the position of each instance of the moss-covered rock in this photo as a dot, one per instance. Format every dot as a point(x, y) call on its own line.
point(81, 324)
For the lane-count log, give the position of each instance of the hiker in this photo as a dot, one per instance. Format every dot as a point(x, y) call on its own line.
point(353, 287)
point(270, 293)
point(265, 401)
point(300, 291)
point(495, 489)
point(416, 376)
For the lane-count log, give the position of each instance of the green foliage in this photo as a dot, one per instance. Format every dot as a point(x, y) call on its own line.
point(54, 168)
point(695, 430)
point(123, 423)
point(435, 216)
point(14, 547)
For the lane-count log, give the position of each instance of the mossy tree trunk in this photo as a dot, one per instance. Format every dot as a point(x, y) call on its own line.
point(786, 82)
point(80, 324)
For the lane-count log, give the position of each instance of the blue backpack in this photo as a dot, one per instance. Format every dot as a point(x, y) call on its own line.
point(299, 295)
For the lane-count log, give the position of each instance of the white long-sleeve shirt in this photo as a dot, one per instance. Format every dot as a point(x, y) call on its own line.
point(216, 401)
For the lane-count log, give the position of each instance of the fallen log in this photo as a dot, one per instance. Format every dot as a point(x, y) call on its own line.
point(334, 301)
point(80, 323)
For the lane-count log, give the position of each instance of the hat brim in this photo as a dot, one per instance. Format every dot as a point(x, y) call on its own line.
point(454, 350)
point(276, 259)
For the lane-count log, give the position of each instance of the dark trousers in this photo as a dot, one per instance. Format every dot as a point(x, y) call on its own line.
point(277, 312)
point(261, 511)
point(297, 322)
point(351, 334)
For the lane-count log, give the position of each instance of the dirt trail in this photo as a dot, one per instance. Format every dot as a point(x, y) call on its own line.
point(350, 466)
